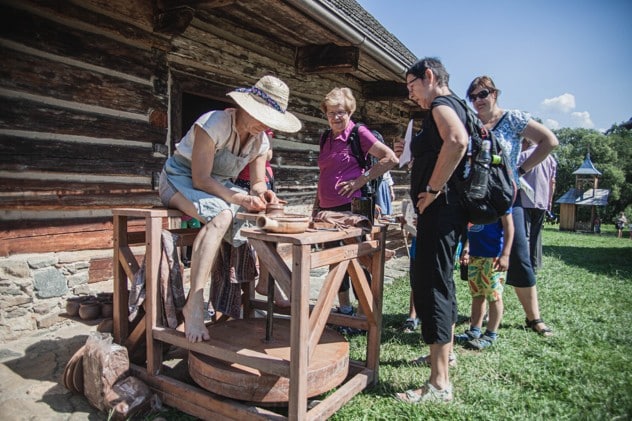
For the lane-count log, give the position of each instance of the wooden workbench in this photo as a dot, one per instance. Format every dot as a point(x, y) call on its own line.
point(306, 323)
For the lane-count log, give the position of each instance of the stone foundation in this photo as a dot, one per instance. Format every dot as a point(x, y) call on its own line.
point(34, 288)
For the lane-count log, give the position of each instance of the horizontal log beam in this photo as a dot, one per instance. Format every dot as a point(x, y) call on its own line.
point(31, 73)
point(385, 90)
point(27, 115)
point(329, 58)
point(85, 47)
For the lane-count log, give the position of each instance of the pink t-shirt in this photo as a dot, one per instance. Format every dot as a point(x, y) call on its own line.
point(337, 164)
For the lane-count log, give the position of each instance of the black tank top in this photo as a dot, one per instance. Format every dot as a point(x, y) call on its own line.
point(426, 145)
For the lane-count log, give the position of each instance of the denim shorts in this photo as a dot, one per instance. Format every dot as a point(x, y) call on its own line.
point(176, 178)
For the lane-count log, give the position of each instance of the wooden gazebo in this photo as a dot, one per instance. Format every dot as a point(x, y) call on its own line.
point(585, 193)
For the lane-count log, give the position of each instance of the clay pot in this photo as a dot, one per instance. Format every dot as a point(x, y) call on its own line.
point(105, 297)
point(275, 209)
point(90, 310)
point(72, 307)
point(107, 309)
point(73, 304)
point(106, 326)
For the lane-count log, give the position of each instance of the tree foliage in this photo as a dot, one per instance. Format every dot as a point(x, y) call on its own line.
point(610, 153)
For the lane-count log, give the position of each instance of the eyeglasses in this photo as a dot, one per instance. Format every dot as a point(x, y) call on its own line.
point(410, 82)
point(481, 95)
point(339, 114)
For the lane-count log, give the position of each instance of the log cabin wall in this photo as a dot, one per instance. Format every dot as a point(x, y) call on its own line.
point(83, 119)
point(91, 106)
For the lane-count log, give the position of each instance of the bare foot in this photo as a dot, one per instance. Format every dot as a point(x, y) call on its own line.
point(194, 328)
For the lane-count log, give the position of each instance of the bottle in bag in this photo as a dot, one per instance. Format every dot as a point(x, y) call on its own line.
point(480, 177)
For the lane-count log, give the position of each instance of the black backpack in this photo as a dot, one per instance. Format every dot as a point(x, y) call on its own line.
point(370, 188)
point(501, 188)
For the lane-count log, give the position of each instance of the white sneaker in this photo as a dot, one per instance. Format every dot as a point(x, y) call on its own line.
point(427, 393)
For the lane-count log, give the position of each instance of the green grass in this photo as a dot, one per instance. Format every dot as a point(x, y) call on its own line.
point(583, 372)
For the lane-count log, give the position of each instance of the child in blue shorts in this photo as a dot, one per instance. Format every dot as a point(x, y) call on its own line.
point(486, 253)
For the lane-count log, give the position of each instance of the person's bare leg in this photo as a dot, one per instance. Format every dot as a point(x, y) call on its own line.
point(439, 359)
point(528, 298)
point(412, 314)
point(496, 310)
point(178, 201)
point(205, 248)
point(478, 311)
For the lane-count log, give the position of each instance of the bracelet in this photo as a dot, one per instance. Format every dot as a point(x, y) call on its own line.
point(429, 190)
point(521, 171)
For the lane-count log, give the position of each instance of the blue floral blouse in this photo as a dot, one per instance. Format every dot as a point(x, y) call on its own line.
point(508, 131)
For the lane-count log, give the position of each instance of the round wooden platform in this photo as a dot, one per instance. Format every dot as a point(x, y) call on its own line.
point(327, 369)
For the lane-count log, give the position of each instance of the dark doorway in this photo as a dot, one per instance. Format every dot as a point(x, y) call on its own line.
point(193, 106)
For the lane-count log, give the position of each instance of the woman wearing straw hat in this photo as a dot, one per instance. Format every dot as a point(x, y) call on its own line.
point(198, 178)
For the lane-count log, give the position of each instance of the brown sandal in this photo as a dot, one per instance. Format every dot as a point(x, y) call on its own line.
point(545, 331)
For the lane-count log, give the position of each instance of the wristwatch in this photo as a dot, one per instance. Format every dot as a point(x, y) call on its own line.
point(366, 174)
point(521, 171)
point(429, 190)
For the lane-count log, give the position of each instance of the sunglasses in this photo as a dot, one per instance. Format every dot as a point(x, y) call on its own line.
point(410, 82)
point(481, 95)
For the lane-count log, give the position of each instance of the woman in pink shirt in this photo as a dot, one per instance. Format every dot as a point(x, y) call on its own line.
point(341, 177)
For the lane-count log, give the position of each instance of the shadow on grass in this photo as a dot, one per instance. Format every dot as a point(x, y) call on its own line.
point(602, 261)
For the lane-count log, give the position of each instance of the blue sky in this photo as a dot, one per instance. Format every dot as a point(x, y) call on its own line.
point(567, 62)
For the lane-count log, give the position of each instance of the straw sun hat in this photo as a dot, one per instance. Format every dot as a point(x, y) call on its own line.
point(267, 102)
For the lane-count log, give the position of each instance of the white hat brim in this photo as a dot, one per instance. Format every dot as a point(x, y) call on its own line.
point(284, 122)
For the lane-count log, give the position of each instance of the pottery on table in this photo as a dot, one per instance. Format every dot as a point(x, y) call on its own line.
point(287, 224)
point(275, 209)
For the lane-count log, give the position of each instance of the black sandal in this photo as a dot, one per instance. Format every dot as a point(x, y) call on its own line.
point(545, 331)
